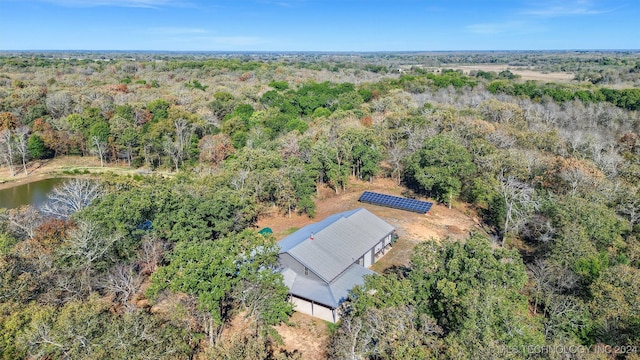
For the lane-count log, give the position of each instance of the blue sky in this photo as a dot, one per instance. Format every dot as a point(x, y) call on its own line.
point(319, 25)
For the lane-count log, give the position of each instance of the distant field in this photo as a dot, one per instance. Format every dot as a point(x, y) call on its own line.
point(526, 74)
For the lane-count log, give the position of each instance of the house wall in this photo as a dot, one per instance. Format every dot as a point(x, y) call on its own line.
point(301, 305)
point(378, 247)
point(387, 239)
point(287, 261)
point(313, 309)
point(369, 258)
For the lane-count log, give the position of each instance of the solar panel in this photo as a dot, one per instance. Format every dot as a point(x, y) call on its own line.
point(395, 202)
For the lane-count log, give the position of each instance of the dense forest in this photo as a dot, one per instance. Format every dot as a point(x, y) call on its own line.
point(159, 264)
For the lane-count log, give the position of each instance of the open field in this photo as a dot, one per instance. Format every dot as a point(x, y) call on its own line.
point(525, 73)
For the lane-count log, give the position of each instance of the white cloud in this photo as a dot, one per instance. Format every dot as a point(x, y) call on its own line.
point(119, 3)
point(565, 8)
point(497, 28)
point(283, 3)
point(531, 19)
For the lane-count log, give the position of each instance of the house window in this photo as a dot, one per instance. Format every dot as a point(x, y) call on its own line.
point(306, 271)
point(361, 261)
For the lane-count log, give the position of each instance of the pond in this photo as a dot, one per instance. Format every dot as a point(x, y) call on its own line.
point(34, 193)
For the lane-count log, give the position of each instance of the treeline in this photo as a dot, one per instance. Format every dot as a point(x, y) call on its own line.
point(628, 99)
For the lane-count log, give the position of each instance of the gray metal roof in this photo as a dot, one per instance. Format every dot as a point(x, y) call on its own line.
point(303, 234)
point(331, 295)
point(354, 275)
point(338, 241)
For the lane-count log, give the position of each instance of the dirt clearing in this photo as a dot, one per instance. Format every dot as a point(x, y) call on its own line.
point(412, 228)
point(309, 335)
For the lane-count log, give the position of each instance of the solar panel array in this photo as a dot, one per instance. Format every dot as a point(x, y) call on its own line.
point(395, 202)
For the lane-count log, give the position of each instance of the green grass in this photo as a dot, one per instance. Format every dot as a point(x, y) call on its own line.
point(291, 230)
point(75, 171)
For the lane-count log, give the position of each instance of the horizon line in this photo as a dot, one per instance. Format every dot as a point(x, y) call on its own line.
point(317, 51)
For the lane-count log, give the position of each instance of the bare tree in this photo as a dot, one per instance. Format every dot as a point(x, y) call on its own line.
point(501, 139)
point(59, 104)
point(87, 244)
point(541, 281)
point(70, 197)
point(39, 338)
point(23, 221)
point(383, 331)
point(86, 248)
point(239, 180)
point(576, 179)
point(630, 207)
point(150, 254)
point(396, 154)
point(183, 134)
point(21, 145)
point(416, 135)
point(563, 312)
point(6, 150)
point(289, 146)
point(348, 342)
point(608, 161)
point(171, 149)
point(175, 148)
point(539, 229)
point(123, 282)
point(519, 201)
point(100, 147)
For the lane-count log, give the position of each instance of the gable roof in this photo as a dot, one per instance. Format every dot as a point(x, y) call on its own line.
point(338, 241)
point(331, 295)
point(303, 234)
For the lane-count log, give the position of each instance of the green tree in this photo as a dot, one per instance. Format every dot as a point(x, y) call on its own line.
point(440, 169)
point(616, 305)
point(37, 148)
point(589, 235)
point(363, 151)
point(474, 292)
point(222, 104)
point(213, 270)
point(159, 109)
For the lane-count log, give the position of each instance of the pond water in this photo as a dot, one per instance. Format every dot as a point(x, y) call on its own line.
point(34, 193)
